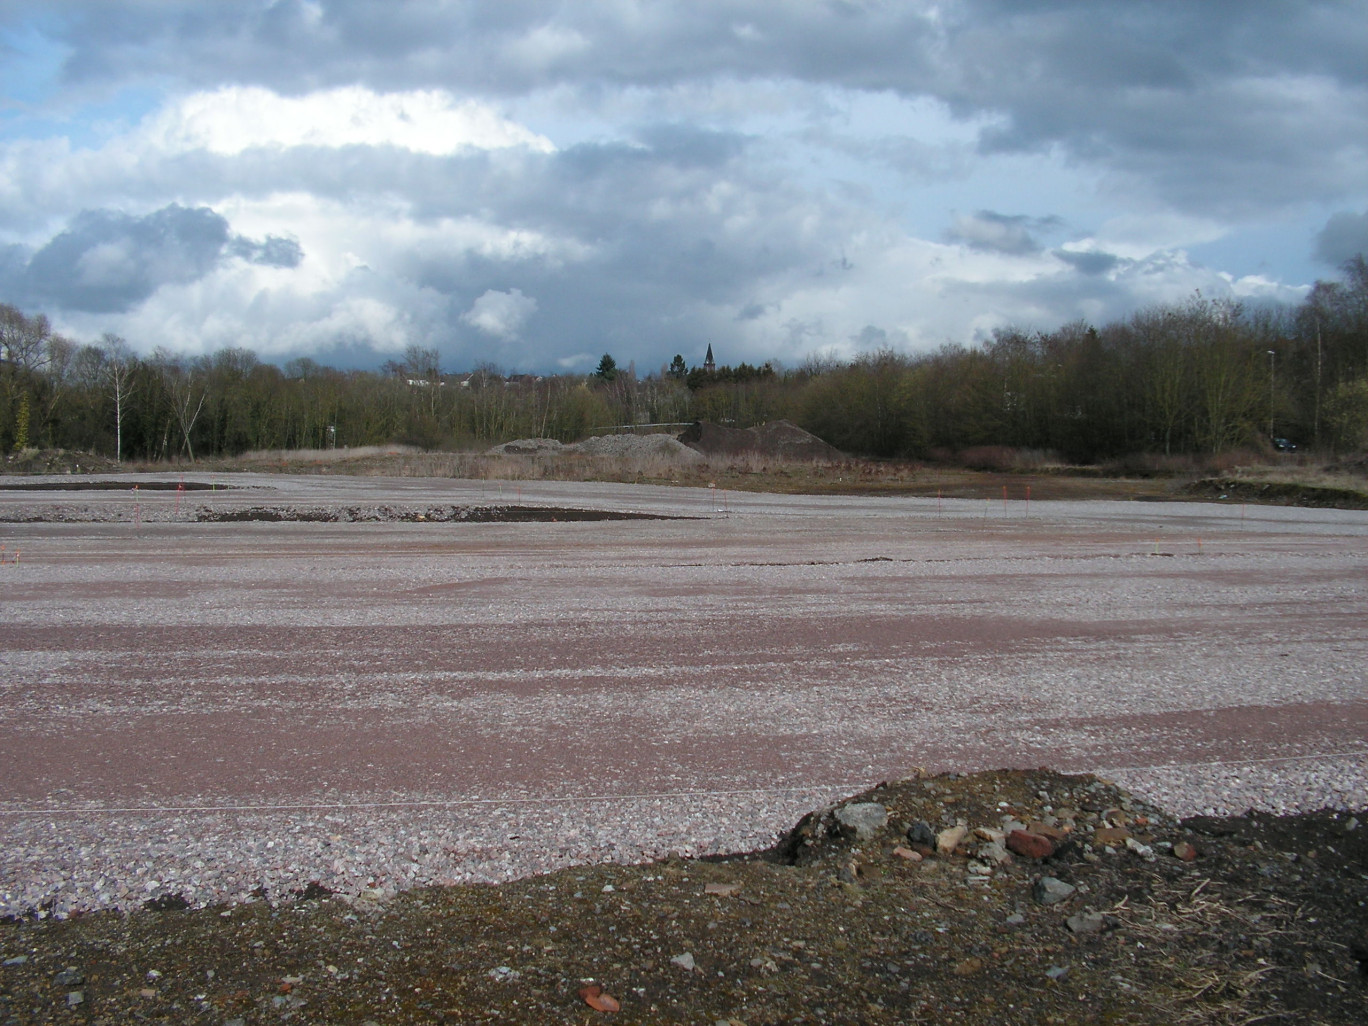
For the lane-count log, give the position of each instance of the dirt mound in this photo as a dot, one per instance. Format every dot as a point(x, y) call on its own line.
point(900, 905)
point(1277, 493)
point(57, 461)
point(527, 447)
point(776, 439)
point(648, 448)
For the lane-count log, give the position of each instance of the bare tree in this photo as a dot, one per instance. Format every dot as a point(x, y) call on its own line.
point(118, 366)
point(187, 390)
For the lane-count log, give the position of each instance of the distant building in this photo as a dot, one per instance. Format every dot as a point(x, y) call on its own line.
point(708, 364)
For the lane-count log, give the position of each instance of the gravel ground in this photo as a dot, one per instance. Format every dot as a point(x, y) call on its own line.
point(201, 711)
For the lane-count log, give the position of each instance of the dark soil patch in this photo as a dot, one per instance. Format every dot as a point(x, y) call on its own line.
point(58, 461)
point(113, 486)
point(1276, 493)
point(1268, 922)
point(433, 514)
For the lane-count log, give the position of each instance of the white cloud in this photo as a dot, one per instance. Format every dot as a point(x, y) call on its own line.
point(233, 119)
point(501, 314)
point(547, 45)
point(779, 180)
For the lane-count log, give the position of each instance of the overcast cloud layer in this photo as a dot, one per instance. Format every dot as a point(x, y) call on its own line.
point(531, 184)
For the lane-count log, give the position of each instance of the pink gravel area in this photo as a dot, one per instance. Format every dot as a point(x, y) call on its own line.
point(213, 709)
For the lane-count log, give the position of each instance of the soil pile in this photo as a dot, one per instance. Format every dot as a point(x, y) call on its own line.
point(776, 439)
point(527, 447)
point(661, 449)
point(1006, 897)
point(1276, 493)
point(57, 461)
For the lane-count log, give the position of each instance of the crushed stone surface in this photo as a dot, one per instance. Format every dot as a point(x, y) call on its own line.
point(204, 711)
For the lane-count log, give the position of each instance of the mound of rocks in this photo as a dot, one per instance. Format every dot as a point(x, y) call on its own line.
point(614, 447)
point(775, 439)
point(915, 901)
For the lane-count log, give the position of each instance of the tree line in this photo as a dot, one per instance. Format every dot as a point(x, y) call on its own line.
point(1201, 377)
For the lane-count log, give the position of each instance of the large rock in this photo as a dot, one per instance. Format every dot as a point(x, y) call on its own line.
point(949, 839)
point(863, 819)
point(921, 833)
point(1030, 845)
point(1050, 891)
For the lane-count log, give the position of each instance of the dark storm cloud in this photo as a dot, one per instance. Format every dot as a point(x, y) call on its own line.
point(272, 251)
point(670, 236)
point(108, 262)
point(992, 232)
point(1090, 262)
point(1344, 237)
point(1210, 106)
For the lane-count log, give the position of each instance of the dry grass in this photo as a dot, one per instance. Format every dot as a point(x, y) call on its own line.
point(1213, 988)
point(1004, 473)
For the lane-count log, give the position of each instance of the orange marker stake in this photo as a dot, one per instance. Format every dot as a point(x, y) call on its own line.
point(1004, 500)
point(1028, 502)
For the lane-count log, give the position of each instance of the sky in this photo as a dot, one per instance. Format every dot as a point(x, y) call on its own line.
point(530, 184)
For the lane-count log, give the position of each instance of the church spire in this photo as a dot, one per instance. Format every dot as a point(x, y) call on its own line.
point(708, 364)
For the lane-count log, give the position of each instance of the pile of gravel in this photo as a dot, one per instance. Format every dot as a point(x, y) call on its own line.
point(623, 448)
point(775, 439)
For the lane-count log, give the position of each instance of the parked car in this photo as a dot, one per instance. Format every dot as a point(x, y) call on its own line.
point(1283, 445)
